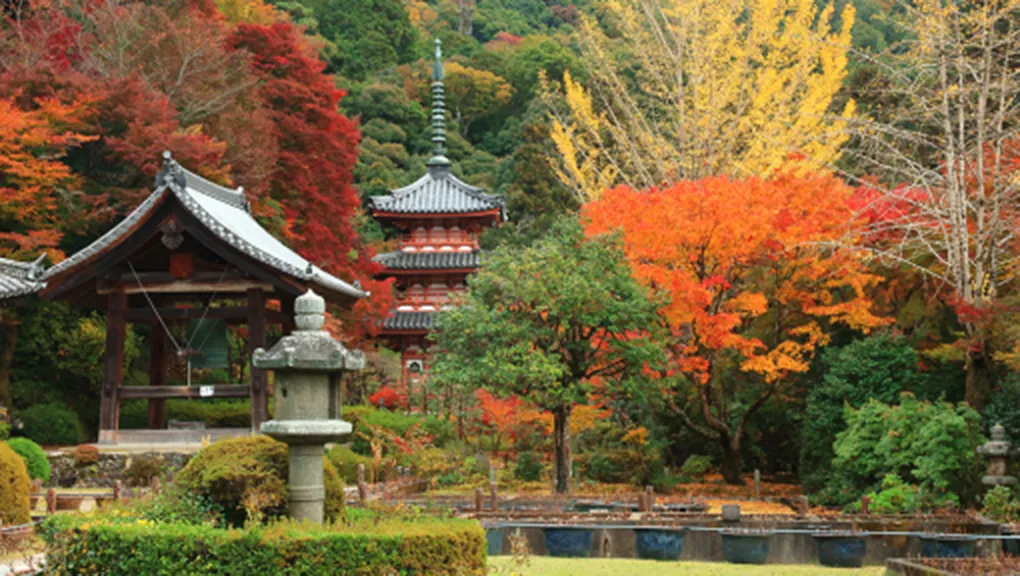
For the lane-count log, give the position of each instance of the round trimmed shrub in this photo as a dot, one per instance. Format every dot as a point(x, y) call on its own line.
point(51, 425)
point(229, 471)
point(14, 488)
point(34, 457)
point(346, 462)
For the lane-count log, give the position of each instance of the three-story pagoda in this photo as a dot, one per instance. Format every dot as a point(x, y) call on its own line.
point(439, 219)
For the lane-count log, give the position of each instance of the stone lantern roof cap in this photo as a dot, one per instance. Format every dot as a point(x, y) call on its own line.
point(309, 347)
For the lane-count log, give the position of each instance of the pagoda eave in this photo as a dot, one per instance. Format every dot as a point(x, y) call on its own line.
point(495, 213)
point(426, 271)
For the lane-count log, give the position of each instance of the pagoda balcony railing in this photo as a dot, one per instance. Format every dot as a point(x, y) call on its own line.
point(428, 246)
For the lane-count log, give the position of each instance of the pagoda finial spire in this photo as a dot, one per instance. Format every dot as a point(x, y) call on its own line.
point(439, 162)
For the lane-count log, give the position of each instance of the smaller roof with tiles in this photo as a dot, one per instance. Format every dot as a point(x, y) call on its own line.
point(438, 192)
point(410, 321)
point(428, 260)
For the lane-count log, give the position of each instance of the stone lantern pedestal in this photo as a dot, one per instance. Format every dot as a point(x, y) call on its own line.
point(998, 451)
point(308, 364)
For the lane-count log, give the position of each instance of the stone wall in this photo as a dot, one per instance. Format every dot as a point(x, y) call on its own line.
point(67, 473)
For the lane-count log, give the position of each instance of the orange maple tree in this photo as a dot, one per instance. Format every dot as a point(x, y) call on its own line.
point(754, 277)
point(39, 196)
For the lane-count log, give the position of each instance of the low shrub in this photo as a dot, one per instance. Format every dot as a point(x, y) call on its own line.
point(361, 417)
point(86, 455)
point(34, 457)
point(14, 488)
point(930, 445)
point(1001, 505)
point(529, 467)
point(5, 431)
point(696, 466)
point(346, 462)
point(51, 425)
point(247, 476)
point(115, 546)
point(176, 505)
point(142, 469)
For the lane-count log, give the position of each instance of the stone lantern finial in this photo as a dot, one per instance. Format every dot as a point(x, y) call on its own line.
point(309, 312)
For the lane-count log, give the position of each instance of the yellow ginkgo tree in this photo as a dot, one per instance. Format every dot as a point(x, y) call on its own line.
point(683, 89)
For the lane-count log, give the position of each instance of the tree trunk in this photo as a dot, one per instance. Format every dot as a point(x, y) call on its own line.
point(979, 378)
point(10, 342)
point(465, 14)
point(561, 447)
point(730, 464)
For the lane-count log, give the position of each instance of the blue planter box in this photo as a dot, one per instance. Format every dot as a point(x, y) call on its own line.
point(494, 539)
point(746, 548)
point(569, 542)
point(841, 550)
point(947, 546)
point(659, 543)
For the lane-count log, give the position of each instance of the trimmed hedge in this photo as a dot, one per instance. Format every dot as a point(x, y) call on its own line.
point(134, 414)
point(34, 457)
point(14, 488)
point(113, 546)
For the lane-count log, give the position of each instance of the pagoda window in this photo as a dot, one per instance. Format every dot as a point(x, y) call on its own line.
point(457, 235)
point(420, 234)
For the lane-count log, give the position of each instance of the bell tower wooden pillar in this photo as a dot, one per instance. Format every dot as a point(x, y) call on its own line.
point(157, 376)
point(257, 339)
point(113, 366)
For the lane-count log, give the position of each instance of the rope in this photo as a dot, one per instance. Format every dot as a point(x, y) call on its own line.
point(153, 306)
point(6, 529)
point(201, 319)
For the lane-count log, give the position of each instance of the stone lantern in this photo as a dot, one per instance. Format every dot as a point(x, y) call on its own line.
point(998, 451)
point(308, 364)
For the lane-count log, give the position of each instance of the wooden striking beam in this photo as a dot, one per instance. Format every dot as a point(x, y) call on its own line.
point(185, 287)
point(162, 392)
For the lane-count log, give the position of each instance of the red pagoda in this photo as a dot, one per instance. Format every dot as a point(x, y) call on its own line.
point(439, 219)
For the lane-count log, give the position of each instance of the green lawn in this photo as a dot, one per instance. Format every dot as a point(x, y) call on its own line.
point(546, 566)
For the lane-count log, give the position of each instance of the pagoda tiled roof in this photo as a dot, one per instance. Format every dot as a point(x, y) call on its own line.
point(223, 211)
point(401, 260)
point(438, 192)
point(402, 321)
point(20, 278)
